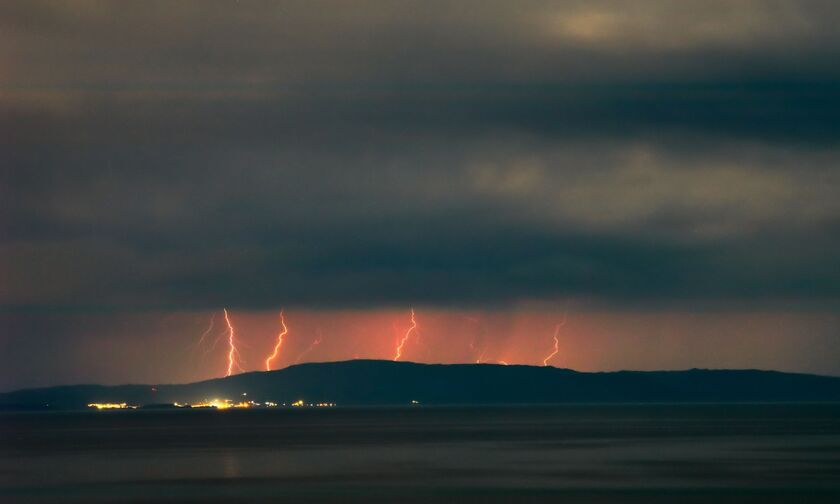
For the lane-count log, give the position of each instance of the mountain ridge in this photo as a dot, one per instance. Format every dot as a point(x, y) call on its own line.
point(375, 382)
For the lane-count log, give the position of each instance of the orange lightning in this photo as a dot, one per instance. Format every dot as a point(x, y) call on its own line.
point(405, 337)
point(233, 353)
point(197, 345)
point(310, 347)
point(475, 338)
point(203, 336)
point(215, 344)
point(556, 341)
point(480, 357)
point(279, 343)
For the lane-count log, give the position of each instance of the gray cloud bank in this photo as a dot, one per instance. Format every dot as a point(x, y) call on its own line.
point(194, 154)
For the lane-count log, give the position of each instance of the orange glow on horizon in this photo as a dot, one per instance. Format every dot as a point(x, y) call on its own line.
point(279, 343)
point(404, 339)
point(590, 340)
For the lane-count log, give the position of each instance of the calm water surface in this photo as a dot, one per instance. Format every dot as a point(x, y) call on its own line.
point(626, 453)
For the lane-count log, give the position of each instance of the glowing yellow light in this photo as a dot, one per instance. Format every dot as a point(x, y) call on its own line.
point(101, 406)
point(214, 403)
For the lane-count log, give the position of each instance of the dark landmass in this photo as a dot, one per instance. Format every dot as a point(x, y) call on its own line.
point(371, 382)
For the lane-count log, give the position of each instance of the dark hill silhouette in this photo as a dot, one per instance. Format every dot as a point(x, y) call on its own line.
point(371, 382)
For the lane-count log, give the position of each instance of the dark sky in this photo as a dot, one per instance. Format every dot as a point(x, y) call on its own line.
point(647, 157)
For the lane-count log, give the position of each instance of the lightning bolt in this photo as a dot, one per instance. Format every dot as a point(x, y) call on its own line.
point(480, 357)
point(405, 337)
point(207, 332)
point(475, 338)
point(195, 347)
point(233, 353)
point(215, 344)
point(279, 343)
point(310, 347)
point(556, 341)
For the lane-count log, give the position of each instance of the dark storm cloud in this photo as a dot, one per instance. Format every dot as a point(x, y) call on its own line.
point(345, 153)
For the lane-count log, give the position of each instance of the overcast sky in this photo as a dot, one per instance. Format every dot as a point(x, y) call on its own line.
point(642, 156)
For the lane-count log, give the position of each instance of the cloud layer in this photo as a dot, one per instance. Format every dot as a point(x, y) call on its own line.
point(358, 154)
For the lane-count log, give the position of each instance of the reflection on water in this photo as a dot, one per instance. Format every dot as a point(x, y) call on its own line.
point(630, 453)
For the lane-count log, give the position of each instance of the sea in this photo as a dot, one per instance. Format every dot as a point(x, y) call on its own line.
point(588, 453)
